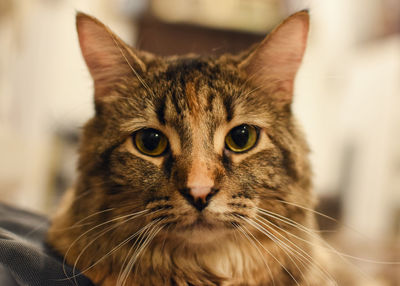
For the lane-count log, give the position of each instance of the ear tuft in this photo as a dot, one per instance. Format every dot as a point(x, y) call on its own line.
point(106, 55)
point(274, 64)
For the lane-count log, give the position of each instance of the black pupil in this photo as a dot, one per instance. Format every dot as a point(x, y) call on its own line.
point(240, 135)
point(151, 139)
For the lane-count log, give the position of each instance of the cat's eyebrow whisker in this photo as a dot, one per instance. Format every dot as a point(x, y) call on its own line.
point(249, 79)
point(251, 91)
point(252, 243)
point(302, 253)
point(287, 250)
point(131, 67)
point(269, 82)
point(129, 99)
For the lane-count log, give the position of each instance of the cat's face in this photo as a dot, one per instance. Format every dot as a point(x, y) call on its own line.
point(195, 145)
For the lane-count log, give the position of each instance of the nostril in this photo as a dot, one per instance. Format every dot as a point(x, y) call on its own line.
point(211, 193)
point(199, 197)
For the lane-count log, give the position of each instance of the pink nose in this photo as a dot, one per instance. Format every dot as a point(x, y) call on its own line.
point(200, 184)
point(200, 192)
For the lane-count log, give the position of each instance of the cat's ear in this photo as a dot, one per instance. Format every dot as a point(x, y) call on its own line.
point(273, 65)
point(106, 55)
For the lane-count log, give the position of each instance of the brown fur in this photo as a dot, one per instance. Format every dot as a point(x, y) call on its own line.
point(194, 101)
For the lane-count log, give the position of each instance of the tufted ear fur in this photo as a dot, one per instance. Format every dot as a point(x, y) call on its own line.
point(106, 55)
point(274, 63)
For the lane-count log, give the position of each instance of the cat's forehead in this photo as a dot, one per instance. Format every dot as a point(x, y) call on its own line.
point(198, 87)
point(196, 95)
point(195, 88)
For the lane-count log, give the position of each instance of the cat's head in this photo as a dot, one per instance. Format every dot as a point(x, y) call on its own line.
point(195, 145)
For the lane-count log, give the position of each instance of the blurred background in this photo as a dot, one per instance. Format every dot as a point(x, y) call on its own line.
point(347, 98)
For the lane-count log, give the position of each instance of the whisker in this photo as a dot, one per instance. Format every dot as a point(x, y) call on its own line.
point(78, 223)
point(95, 227)
point(141, 80)
point(242, 231)
point(308, 257)
point(325, 245)
point(283, 266)
point(114, 249)
point(87, 191)
point(310, 210)
point(285, 220)
point(141, 248)
point(143, 232)
point(165, 238)
point(283, 247)
point(158, 227)
point(152, 231)
point(125, 268)
point(328, 246)
point(251, 91)
point(324, 216)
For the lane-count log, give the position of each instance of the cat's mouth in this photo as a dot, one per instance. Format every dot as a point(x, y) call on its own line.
point(201, 230)
point(201, 223)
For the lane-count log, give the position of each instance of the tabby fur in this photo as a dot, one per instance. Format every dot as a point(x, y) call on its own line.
point(194, 100)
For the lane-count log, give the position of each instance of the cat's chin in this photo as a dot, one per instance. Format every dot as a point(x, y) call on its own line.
point(201, 231)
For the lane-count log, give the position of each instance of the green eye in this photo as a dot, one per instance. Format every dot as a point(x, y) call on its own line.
point(241, 138)
point(150, 142)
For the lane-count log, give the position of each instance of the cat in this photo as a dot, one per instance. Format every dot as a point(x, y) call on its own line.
point(193, 170)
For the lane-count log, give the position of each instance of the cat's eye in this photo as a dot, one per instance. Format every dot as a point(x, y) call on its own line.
point(241, 138)
point(150, 142)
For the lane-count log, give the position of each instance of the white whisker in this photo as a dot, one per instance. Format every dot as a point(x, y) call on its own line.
point(242, 231)
point(142, 233)
point(115, 248)
point(150, 233)
point(324, 245)
point(132, 216)
point(131, 67)
point(317, 237)
point(283, 247)
point(302, 253)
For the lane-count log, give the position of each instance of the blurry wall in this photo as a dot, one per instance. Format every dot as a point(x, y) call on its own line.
point(347, 98)
point(45, 91)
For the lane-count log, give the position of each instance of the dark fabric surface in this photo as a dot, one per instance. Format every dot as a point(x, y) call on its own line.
point(24, 257)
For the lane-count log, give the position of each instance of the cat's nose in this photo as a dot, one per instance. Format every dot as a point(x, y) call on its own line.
point(200, 185)
point(199, 197)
